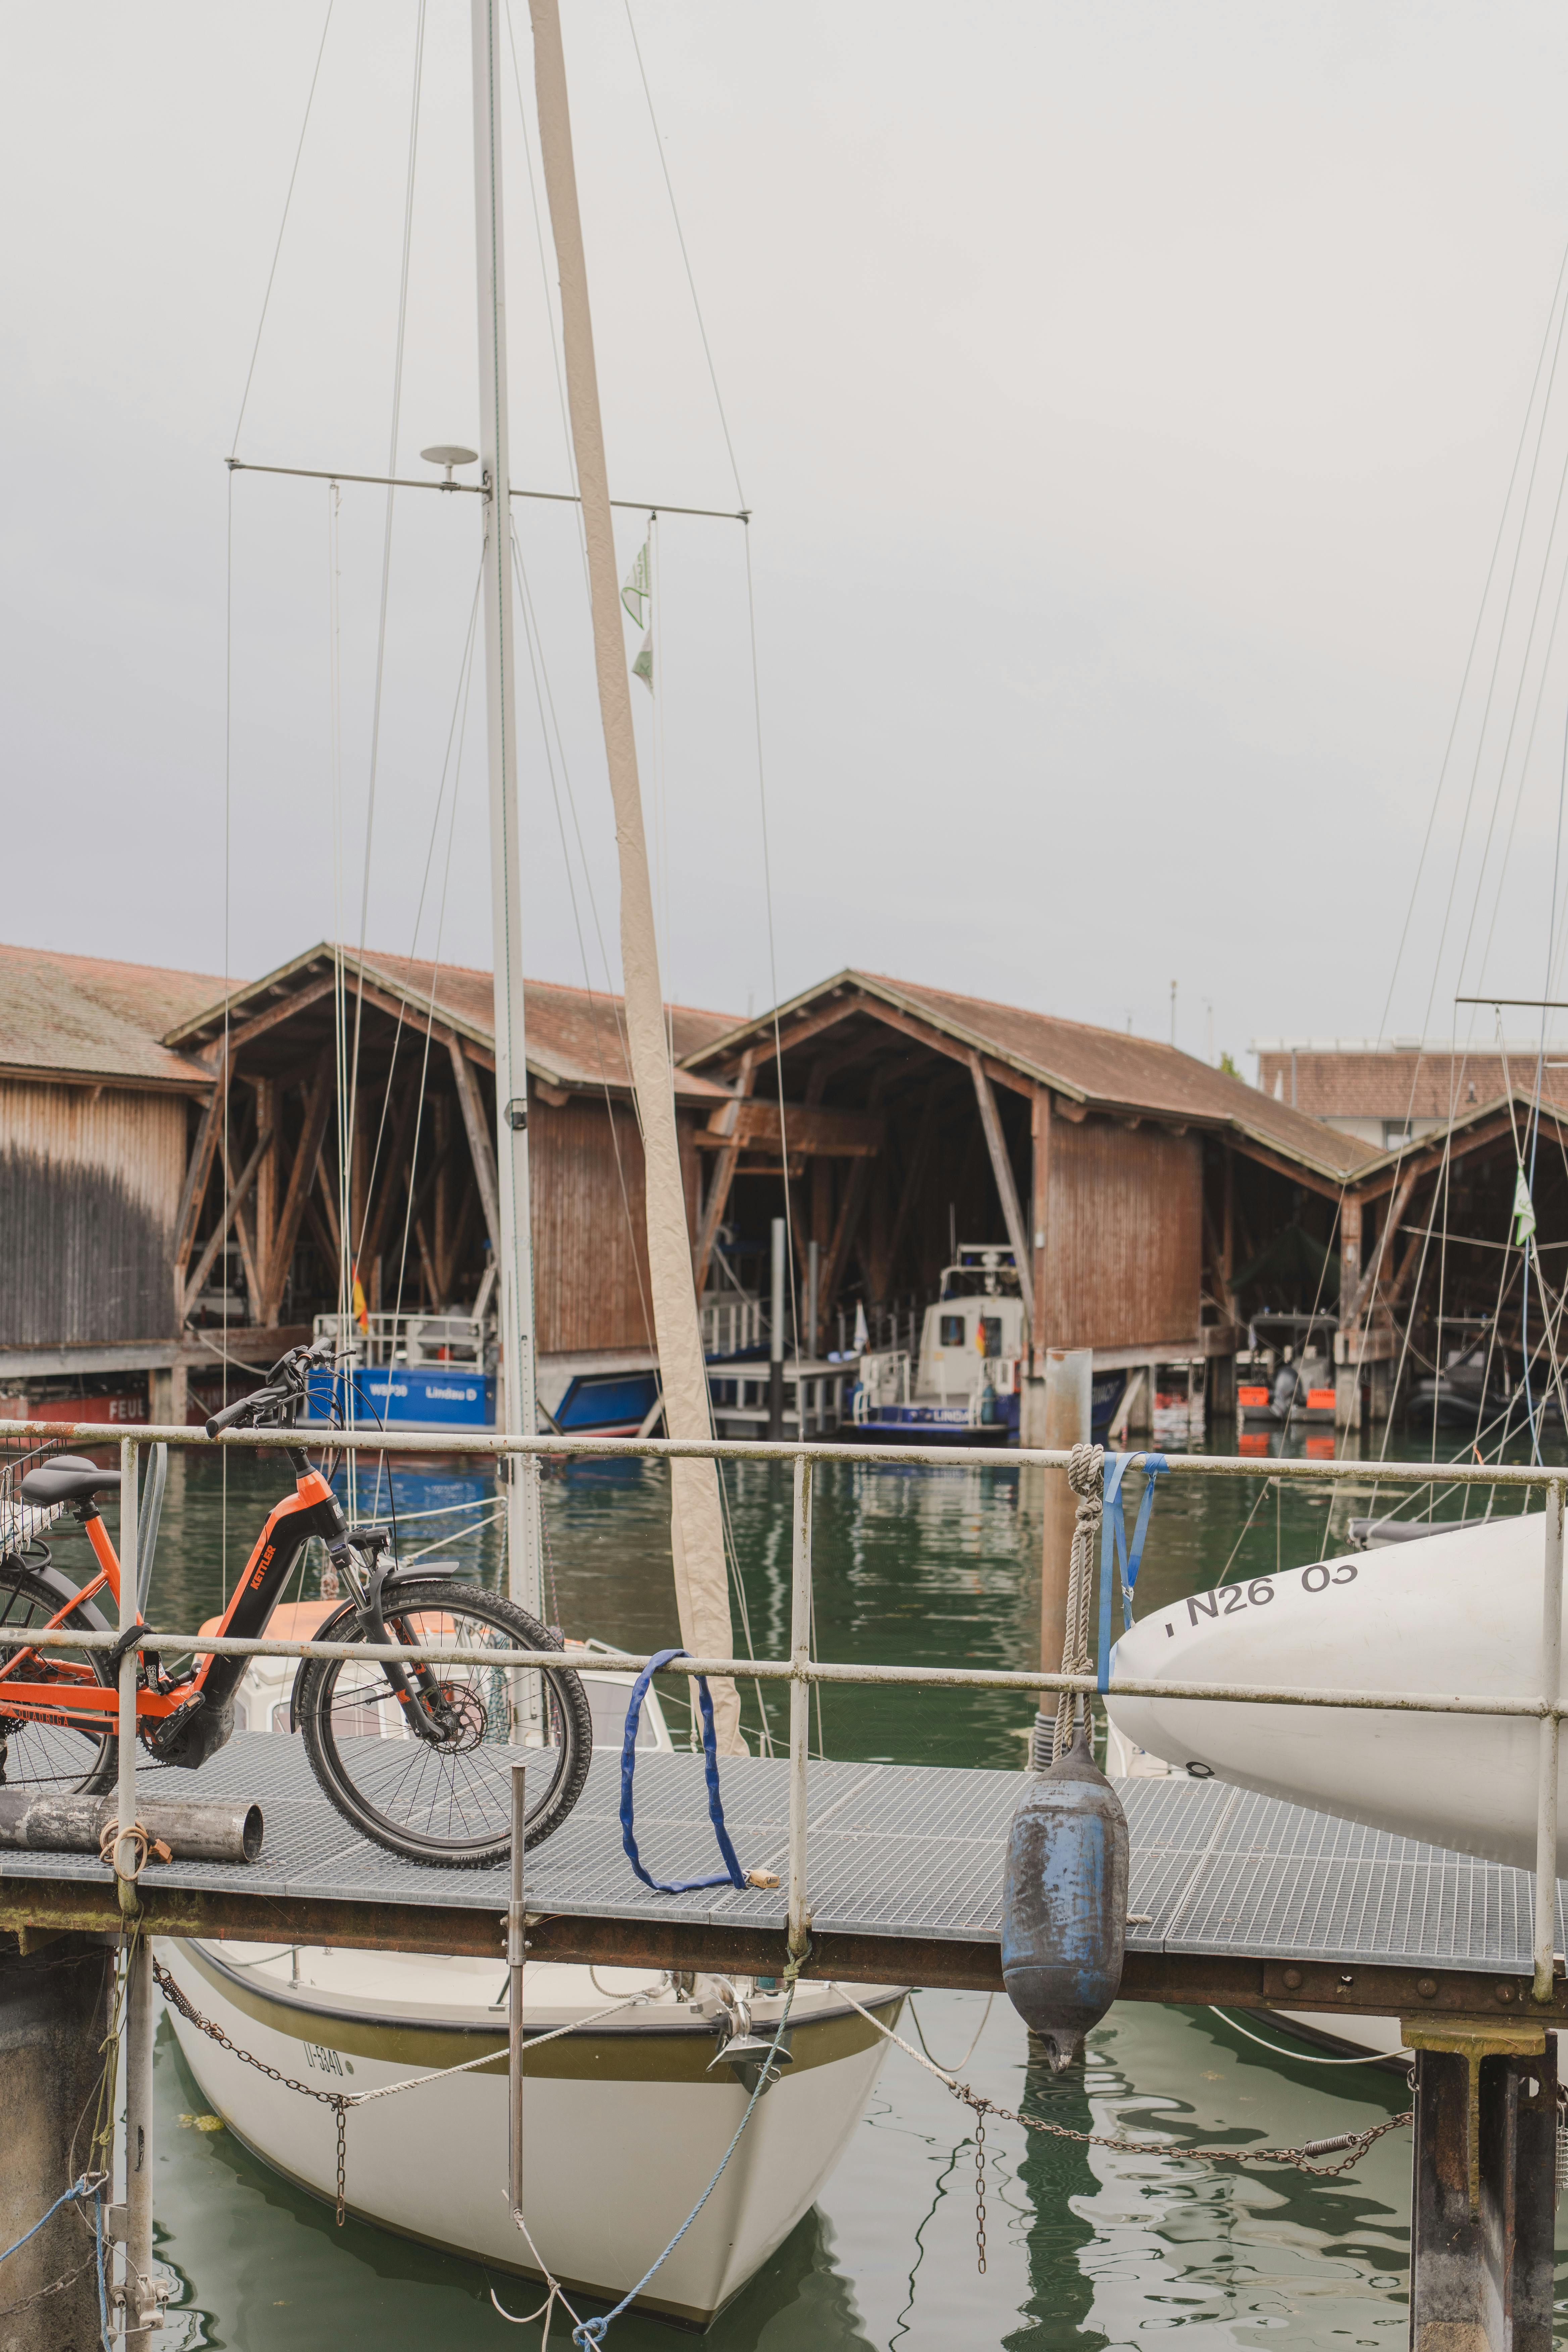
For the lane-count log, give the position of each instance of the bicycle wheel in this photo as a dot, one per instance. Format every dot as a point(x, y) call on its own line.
point(50, 1757)
point(449, 1800)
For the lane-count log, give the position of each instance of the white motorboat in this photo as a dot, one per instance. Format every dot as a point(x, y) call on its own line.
point(1456, 1615)
point(626, 2122)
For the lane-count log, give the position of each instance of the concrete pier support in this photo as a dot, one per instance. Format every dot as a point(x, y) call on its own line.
point(1485, 2195)
point(54, 2016)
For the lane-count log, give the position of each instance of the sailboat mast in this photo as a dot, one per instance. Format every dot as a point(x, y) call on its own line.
point(697, 1531)
point(513, 1235)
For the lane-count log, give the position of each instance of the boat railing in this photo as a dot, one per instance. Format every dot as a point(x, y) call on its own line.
point(413, 1338)
point(732, 1324)
point(800, 1671)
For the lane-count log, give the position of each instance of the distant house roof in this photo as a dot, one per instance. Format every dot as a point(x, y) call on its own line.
point(84, 1020)
point(1105, 1069)
point(575, 1036)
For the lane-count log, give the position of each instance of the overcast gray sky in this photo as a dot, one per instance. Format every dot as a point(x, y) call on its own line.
point(1126, 394)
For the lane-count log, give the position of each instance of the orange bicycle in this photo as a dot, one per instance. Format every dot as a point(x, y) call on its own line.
point(413, 1755)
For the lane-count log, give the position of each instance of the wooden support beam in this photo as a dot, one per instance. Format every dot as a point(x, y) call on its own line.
point(302, 1177)
point(480, 1149)
point(1368, 1282)
point(214, 1241)
point(914, 1174)
point(851, 1205)
point(194, 1191)
point(385, 1174)
point(330, 1202)
point(760, 1125)
point(1002, 1171)
point(719, 1183)
point(268, 1111)
point(244, 1032)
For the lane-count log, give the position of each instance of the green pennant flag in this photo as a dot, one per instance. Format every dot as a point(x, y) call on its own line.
point(636, 594)
point(643, 665)
point(1523, 1210)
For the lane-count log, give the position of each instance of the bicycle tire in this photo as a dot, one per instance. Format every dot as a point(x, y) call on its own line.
point(43, 1755)
point(390, 1789)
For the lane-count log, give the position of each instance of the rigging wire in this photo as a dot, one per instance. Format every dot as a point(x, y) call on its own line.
point(355, 1242)
point(282, 226)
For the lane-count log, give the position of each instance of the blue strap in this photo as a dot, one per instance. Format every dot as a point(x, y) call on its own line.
point(1115, 1550)
point(731, 1874)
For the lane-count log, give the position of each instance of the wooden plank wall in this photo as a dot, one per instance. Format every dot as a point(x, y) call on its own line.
point(590, 1262)
point(90, 1182)
point(1124, 1252)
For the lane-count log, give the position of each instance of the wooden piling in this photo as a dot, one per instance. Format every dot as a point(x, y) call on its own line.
point(53, 2018)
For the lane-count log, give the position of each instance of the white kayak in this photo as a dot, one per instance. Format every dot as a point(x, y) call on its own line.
point(1455, 1615)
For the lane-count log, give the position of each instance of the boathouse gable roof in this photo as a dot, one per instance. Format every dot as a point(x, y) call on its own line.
point(575, 1039)
point(1090, 1069)
point(83, 1020)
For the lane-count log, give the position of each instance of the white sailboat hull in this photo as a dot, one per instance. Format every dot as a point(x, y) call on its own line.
point(624, 2130)
point(1459, 1614)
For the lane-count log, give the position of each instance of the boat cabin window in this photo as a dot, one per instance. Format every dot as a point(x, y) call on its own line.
point(951, 1332)
point(991, 1327)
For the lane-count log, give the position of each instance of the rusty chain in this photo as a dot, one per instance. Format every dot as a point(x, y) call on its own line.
point(339, 2101)
point(1304, 2158)
point(980, 2194)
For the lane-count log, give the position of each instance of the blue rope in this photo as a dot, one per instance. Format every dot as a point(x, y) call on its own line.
point(731, 1874)
point(590, 2332)
point(85, 2186)
point(1115, 1552)
point(102, 2297)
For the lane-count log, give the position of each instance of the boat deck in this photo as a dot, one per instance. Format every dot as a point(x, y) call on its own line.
point(1234, 1897)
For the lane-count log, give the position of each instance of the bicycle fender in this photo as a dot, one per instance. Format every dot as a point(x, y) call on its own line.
point(60, 1588)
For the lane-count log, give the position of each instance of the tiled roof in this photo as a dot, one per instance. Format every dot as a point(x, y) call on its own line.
point(575, 1036)
point(83, 1017)
point(1107, 1069)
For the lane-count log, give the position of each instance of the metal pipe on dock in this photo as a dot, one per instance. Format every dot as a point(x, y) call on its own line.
point(40, 1820)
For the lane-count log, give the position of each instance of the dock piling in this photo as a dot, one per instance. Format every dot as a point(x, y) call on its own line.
point(1483, 2201)
point(141, 2308)
point(53, 2020)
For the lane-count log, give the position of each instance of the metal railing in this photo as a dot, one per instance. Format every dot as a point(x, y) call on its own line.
point(801, 1670)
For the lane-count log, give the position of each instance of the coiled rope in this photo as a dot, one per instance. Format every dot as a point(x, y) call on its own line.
point(1086, 1476)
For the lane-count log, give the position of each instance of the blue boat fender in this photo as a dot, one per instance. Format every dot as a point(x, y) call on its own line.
point(1064, 1901)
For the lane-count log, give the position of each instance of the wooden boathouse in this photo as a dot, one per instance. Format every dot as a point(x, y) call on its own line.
point(174, 1156)
point(1134, 1184)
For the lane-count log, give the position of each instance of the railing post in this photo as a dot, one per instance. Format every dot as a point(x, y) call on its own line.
point(1546, 1799)
point(124, 1871)
point(516, 1953)
point(799, 1703)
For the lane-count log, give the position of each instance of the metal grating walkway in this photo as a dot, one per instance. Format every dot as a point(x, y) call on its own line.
point(895, 1851)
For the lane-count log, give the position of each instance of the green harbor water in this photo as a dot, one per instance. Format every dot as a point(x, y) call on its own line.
point(1085, 2246)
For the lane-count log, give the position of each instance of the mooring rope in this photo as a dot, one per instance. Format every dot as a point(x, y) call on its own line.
point(1086, 1476)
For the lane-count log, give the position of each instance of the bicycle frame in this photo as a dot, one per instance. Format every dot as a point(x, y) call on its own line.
point(74, 1699)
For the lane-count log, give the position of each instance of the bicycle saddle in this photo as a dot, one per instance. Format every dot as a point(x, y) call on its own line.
point(69, 1478)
